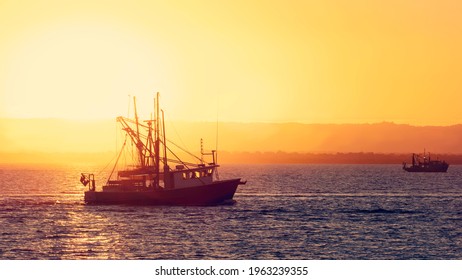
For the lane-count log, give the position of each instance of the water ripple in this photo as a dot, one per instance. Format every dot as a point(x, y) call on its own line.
point(284, 212)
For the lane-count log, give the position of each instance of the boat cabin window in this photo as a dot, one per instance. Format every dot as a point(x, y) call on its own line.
point(186, 175)
point(196, 174)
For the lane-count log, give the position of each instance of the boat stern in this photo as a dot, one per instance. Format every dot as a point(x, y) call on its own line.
point(90, 197)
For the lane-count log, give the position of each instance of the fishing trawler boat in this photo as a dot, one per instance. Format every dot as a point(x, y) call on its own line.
point(425, 164)
point(152, 180)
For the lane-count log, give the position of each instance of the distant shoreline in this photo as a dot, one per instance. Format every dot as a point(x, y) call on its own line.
point(224, 157)
point(329, 158)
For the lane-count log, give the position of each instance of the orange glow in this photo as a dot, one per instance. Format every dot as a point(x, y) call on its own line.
point(308, 61)
point(250, 61)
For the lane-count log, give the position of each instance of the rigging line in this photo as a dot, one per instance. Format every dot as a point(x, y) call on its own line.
point(177, 134)
point(104, 168)
point(116, 138)
point(185, 165)
point(216, 135)
point(131, 153)
point(128, 120)
point(115, 155)
point(184, 150)
point(121, 151)
point(215, 160)
point(182, 162)
point(125, 155)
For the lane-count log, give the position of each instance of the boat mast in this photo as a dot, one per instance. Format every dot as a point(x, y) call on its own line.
point(165, 147)
point(149, 158)
point(202, 151)
point(157, 142)
point(139, 144)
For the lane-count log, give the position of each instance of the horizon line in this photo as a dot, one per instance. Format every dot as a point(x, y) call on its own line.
point(235, 122)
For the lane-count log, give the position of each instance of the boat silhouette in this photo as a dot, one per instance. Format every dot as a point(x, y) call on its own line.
point(152, 180)
point(425, 164)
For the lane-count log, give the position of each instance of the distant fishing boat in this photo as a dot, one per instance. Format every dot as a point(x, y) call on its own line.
point(152, 180)
point(425, 164)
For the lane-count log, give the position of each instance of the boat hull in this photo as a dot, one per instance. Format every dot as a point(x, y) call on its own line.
point(438, 168)
point(210, 194)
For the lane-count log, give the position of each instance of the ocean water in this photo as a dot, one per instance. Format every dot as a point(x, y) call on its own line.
point(284, 212)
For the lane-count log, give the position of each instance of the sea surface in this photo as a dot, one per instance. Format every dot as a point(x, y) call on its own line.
point(284, 212)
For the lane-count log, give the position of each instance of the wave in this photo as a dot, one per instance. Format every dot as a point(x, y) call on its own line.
point(381, 211)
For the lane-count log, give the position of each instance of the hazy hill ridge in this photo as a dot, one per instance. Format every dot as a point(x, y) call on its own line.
point(54, 135)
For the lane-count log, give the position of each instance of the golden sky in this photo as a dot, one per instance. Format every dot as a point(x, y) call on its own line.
point(256, 61)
